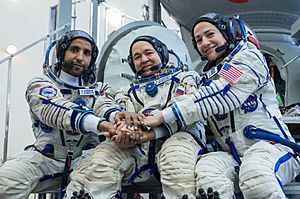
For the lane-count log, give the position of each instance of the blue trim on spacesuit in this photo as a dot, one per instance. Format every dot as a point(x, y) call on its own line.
point(233, 151)
point(239, 63)
point(264, 64)
point(213, 84)
point(178, 114)
point(222, 92)
point(274, 118)
point(218, 110)
point(59, 106)
point(109, 111)
point(199, 105)
point(238, 101)
point(236, 50)
point(281, 160)
point(280, 127)
point(133, 88)
point(76, 124)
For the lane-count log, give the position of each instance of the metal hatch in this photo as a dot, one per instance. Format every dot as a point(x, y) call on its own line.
point(113, 56)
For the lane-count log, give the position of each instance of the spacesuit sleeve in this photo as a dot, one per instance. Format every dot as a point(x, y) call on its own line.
point(190, 82)
point(111, 102)
point(105, 104)
point(48, 104)
point(246, 72)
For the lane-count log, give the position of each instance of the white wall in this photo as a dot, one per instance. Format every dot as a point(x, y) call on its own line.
point(23, 22)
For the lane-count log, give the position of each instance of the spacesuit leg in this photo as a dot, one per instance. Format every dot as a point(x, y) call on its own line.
point(20, 175)
point(264, 167)
point(102, 174)
point(217, 170)
point(176, 163)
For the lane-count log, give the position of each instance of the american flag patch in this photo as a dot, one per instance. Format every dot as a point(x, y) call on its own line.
point(230, 73)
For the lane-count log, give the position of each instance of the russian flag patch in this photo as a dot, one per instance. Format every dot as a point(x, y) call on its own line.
point(181, 89)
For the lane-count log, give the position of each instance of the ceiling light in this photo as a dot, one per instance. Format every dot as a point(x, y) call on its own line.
point(11, 49)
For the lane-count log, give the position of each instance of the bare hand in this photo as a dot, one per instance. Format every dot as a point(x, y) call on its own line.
point(108, 128)
point(153, 121)
point(122, 137)
point(130, 118)
point(147, 136)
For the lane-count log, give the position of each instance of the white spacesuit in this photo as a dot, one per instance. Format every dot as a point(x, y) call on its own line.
point(177, 156)
point(63, 123)
point(236, 93)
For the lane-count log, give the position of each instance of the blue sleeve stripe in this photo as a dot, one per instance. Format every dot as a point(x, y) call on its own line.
point(280, 127)
point(198, 102)
point(39, 81)
point(216, 105)
point(281, 160)
point(73, 119)
point(263, 62)
point(207, 101)
point(178, 114)
point(278, 164)
point(80, 121)
point(219, 92)
point(237, 99)
point(62, 121)
point(254, 72)
point(167, 128)
point(203, 105)
point(59, 110)
point(109, 111)
point(216, 86)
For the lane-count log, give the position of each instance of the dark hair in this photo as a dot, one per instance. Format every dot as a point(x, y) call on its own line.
point(159, 47)
point(64, 42)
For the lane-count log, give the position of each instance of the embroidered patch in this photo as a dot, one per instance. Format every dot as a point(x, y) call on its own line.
point(149, 111)
point(250, 104)
point(181, 89)
point(231, 73)
point(47, 92)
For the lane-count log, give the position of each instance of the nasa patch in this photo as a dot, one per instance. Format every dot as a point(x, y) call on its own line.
point(47, 92)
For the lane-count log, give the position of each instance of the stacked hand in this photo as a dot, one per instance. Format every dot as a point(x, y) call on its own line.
point(152, 121)
point(127, 131)
point(130, 128)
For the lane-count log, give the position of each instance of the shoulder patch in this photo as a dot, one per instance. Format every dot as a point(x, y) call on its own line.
point(231, 73)
point(47, 92)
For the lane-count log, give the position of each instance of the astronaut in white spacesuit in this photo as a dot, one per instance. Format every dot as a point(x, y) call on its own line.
point(64, 124)
point(157, 85)
point(237, 91)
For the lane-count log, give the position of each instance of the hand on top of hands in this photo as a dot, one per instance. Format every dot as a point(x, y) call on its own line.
point(130, 129)
point(152, 121)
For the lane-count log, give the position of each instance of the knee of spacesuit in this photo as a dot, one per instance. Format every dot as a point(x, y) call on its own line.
point(102, 175)
point(176, 163)
point(257, 177)
point(217, 170)
point(20, 175)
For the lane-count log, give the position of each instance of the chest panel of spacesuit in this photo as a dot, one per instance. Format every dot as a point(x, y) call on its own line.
point(158, 101)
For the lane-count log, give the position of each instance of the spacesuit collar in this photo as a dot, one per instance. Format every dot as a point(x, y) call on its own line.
point(157, 76)
point(69, 79)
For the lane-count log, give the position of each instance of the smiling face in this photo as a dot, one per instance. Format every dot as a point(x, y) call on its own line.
point(144, 57)
point(208, 38)
point(78, 57)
